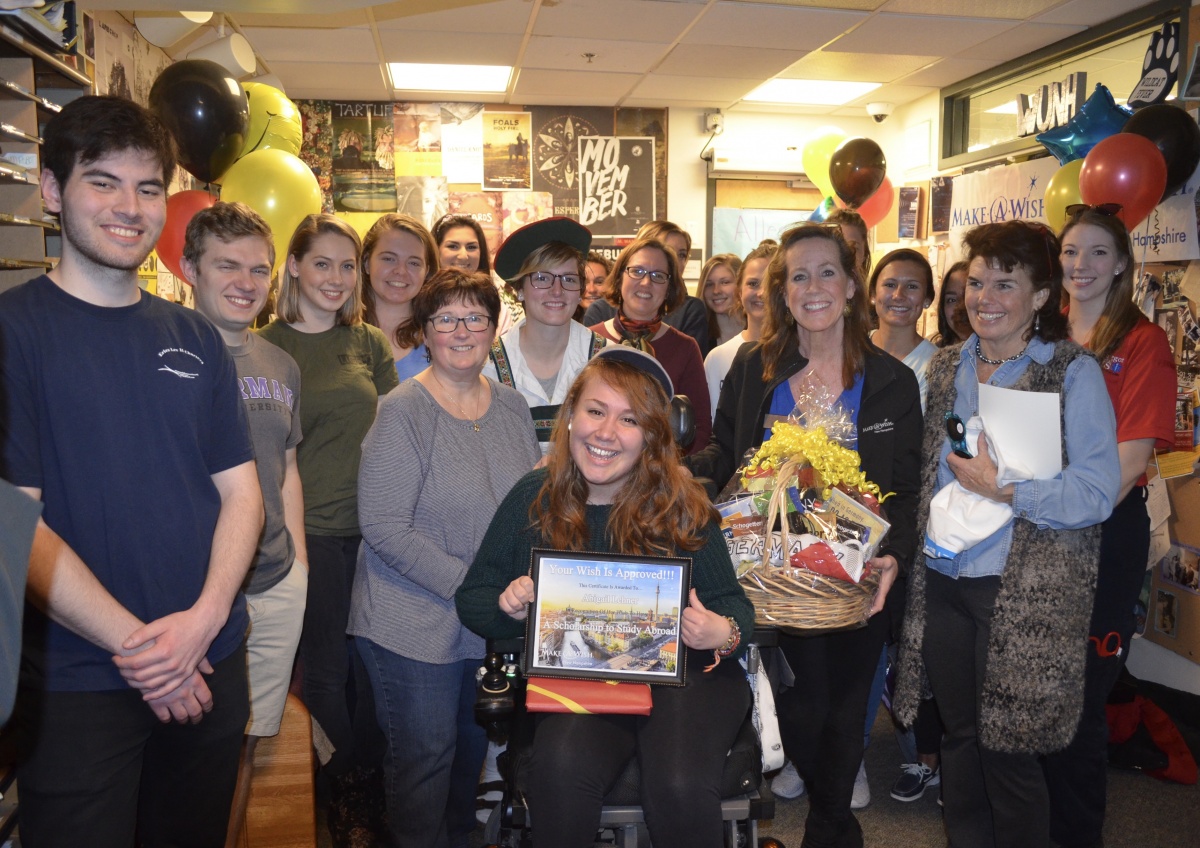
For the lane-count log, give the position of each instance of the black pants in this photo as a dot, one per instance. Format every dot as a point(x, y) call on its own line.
point(103, 768)
point(680, 746)
point(1077, 776)
point(337, 690)
point(991, 799)
point(821, 723)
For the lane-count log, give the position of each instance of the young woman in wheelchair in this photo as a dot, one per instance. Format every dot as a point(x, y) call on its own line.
point(614, 484)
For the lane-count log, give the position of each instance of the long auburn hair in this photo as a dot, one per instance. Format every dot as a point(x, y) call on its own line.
point(658, 510)
point(408, 334)
point(779, 325)
point(1120, 313)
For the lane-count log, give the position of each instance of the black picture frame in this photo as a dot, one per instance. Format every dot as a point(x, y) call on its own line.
point(601, 616)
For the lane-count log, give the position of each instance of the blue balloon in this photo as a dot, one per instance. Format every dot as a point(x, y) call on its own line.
point(823, 211)
point(1096, 120)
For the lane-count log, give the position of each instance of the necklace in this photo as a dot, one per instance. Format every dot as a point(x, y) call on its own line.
point(474, 421)
point(979, 355)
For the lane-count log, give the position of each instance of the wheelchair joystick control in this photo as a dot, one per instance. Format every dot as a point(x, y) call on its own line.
point(495, 699)
point(495, 681)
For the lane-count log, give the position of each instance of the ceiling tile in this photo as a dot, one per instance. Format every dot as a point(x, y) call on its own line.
point(1017, 10)
point(746, 25)
point(700, 60)
point(1089, 12)
point(898, 94)
point(1022, 39)
point(504, 17)
point(329, 20)
point(853, 67)
point(450, 47)
point(948, 72)
point(578, 87)
point(614, 56)
point(864, 5)
point(711, 89)
point(305, 80)
point(893, 33)
point(280, 44)
point(617, 20)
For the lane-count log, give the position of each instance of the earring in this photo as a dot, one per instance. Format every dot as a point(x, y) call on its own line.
point(1037, 323)
point(846, 310)
point(568, 426)
point(520, 297)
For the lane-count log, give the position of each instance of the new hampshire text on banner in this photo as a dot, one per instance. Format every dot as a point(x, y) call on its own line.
point(616, 184)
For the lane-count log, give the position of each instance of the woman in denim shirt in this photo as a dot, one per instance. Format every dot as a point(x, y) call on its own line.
point(1001, 627)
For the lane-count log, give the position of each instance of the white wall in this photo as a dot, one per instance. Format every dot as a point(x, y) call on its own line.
point(909, 139)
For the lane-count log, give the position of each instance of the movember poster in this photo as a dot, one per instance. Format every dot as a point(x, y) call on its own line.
point(616, 184)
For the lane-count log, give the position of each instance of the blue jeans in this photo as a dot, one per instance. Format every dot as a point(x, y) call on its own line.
point(434, 747)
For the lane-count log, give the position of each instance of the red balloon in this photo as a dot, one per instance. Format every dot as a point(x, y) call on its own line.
point(1128, 169)
point(181, 206)
point(876, 207)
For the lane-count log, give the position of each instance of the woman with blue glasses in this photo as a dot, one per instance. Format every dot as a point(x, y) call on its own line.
point(646, 284)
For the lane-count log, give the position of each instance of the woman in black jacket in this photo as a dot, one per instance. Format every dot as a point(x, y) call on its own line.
point(815, 338)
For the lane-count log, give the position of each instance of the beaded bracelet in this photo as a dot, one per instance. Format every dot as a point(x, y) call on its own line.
point(735, 638)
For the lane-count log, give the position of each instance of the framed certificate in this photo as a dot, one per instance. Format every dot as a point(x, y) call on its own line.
point(607, 617)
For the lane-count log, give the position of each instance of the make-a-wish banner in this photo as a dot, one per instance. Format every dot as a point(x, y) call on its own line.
point(1003, 193)
point(616, 184)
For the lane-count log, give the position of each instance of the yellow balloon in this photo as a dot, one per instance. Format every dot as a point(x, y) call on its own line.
point(278, 186)
point(817, 153)
point(274, 120)
point(1062, 191)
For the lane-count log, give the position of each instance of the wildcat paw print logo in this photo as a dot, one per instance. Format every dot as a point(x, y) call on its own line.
point(1159, 69)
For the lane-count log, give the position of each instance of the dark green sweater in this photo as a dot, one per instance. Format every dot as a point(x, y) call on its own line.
point(504, 555)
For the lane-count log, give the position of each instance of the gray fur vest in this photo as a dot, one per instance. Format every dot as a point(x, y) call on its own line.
point(1033, 683)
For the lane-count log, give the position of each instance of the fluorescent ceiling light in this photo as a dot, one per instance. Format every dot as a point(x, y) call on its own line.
point(1008, 107)
point(810, 92)
point(477, 78)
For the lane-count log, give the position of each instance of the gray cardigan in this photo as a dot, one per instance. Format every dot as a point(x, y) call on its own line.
point(428, 487)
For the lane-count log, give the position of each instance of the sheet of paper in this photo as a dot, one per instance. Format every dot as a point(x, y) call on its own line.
point(1158, 504)
point(1176, 463)
point(1160, 545)
point(1025, 429)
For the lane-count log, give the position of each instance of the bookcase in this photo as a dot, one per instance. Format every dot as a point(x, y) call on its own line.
point(34, 85)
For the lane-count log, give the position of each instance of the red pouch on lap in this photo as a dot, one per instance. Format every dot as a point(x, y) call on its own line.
point(586, 697)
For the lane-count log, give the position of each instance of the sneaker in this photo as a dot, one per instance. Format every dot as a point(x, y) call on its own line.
point(788, 783)
point(862, 789)
point(915, 777)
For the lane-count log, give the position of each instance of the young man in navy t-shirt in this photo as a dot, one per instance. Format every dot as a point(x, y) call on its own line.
point(121, 414)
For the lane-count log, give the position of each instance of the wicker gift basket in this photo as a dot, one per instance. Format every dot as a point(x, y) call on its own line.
point(802, 522)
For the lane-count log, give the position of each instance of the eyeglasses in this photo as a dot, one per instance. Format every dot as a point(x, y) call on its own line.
point(544, 280)
point(1107, 209)
point(659, 278)
point(449, 324)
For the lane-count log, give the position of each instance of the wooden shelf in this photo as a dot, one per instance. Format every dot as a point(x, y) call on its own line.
point(45, 64)
point(14, 133)
point(12, 175)
point(10, 89)
point(9, 220)
point(25, 264)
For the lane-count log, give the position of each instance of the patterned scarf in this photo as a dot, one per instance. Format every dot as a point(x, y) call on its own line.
point(636, 334)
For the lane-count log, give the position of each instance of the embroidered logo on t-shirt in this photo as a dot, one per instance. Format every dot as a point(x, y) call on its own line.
point(1115, 364)
point(884, 426)
point(174, 360)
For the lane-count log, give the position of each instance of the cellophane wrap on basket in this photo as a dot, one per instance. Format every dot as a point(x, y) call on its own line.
point(802, 521)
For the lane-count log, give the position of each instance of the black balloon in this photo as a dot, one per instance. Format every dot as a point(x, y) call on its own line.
point(206, 111)
point(856, 170)
point(1175, 135)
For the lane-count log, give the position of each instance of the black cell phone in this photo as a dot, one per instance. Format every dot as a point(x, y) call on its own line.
point(957, 431)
